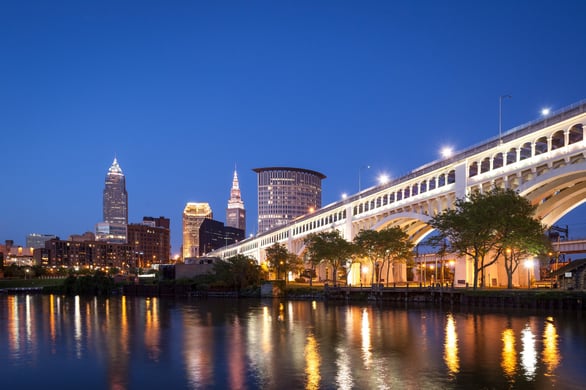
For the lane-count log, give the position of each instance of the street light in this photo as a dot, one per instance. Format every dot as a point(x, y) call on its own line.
point(545, 111)
point(447, 152)
point(528, 265)
point(359, 176)
point(383, 178)
point(501, 115)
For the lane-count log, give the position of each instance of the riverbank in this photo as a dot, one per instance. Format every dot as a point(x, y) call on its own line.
point(548, 299)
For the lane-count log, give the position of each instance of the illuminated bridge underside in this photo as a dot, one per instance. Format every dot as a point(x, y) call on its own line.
point(543, 160)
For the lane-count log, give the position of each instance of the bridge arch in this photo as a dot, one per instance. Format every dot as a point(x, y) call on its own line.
point(556, 192)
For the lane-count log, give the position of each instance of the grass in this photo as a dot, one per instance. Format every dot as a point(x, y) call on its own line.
point(10, 283)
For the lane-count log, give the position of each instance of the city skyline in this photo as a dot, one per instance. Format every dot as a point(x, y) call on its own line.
point(181, 93)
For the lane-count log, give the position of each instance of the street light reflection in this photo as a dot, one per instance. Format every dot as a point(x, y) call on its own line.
point(312, 363)
point(451, 346)
point(365, 334)
point(551, 353)
point(529, 354)
point(509, 354)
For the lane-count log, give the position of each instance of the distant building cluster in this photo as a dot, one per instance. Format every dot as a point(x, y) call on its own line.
point(284, 193)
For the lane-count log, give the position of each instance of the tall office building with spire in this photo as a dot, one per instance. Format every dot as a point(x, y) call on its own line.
point(115, 196)
point(235, 212)
point(115, 207)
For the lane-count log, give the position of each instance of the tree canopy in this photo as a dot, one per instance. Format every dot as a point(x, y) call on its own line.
point(329, 247)
point(484, 225)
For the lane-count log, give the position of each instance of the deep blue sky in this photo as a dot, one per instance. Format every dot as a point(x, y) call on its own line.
point(183, 91)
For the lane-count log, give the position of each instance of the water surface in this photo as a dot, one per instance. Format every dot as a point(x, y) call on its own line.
point(143, 343)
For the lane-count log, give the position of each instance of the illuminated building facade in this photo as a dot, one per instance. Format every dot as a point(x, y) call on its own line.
point(193, 216)
point(151, 241)
point(35, 240)
point(235, 212)
point(84, 254)
point(115, 207)
point(286, 193)
point(115, 196)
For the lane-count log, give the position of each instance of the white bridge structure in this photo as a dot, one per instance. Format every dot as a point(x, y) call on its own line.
point(543, 160)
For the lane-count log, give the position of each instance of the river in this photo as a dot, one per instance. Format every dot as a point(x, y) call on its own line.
point(122, 342)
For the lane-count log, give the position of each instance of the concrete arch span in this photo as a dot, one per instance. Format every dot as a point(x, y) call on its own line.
point(557, 192)
point(415, 225)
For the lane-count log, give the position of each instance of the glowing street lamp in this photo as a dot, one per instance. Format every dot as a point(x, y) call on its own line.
point(545, 111)
point(447, 152)
point(364, 272)
point(344, 195)
point(529, 265)
point(383, 178)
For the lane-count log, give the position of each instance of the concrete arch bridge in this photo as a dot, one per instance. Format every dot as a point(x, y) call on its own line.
point(544, 160)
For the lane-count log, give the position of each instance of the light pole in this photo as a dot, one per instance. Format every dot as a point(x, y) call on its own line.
point(359, 176)
point(501, 115)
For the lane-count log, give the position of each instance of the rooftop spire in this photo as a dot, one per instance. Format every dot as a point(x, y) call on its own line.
point(115, 168)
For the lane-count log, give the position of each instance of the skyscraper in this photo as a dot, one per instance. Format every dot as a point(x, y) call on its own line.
point(193, 216)
point(235, 212)
point(115, 207)
point(286, 193)
point(115, 196)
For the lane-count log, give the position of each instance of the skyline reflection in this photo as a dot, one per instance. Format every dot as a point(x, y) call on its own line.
point(271, 344)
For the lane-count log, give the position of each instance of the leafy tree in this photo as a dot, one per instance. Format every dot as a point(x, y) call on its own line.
point(368, 246)
point(397, 248)
point(485, 225)
point(238, 272)
point(519, 235)
point(386, 247)
point(277, 256)
point(329, 247)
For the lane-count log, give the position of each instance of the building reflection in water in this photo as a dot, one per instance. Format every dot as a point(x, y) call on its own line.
point(152, 329)
point(198, 350)
point(77, 326)
point(271, 344)
point(451, 346)
point(236, 355)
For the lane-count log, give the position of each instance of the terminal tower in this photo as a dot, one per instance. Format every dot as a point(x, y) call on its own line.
point(235, 212)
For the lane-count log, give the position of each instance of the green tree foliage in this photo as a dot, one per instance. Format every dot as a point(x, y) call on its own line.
point(485, 225)
point(281, 261)
point(368, 248)
point(519, 235)
point(397, 248)
point(329, 247)
point(97, 284)
point(238, 272)
point(385, 248)
point(277, 256)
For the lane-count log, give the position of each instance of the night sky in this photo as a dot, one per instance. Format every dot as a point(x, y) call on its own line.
point(182, 92)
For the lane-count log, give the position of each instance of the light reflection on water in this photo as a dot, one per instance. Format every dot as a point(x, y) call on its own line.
point(123, 342)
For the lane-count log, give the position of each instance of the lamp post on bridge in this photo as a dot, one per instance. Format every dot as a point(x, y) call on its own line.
point(501, 115)
point(359, 176)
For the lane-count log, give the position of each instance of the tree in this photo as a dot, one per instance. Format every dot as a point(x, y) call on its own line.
point(519, 235)
point(396, 248)
point(238, 272)
point(277, 258)
point(368, 245)
point(329, 247)
point(484, 226)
